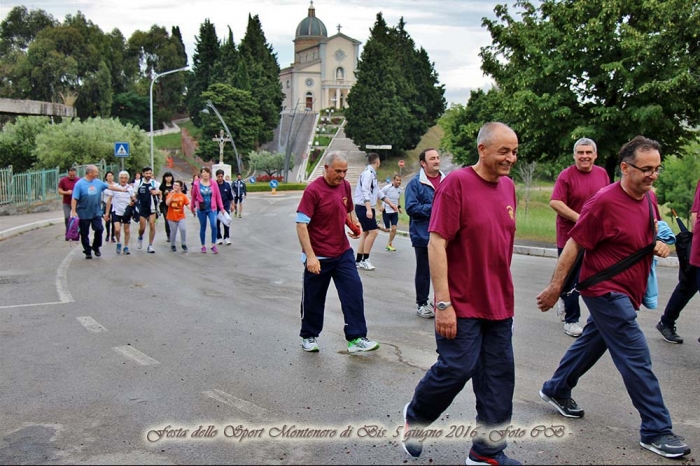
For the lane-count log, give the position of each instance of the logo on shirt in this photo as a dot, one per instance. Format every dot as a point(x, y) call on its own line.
point(345, 201)
point(511, 212)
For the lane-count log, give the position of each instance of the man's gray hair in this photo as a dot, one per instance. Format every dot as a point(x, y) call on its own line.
point(585, 142)
point(486, 132)
point(123, 173)
point(333, 156)
point(91, 168)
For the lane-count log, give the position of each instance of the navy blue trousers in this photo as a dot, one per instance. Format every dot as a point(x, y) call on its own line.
point(422, 278)
point(571, 303)
point(84, 224)
point(682, 294)
point(613, 326)
point(483, 352)
point(347, 281)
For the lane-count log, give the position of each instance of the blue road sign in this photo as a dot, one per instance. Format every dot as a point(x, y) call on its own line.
point(251, 179)
point(274, 184)
point(121, 149)
point(388, 180)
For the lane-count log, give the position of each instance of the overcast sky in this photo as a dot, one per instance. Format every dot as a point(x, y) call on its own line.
point(450, 30)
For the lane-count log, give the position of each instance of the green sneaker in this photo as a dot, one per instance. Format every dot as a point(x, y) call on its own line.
point(362, 344)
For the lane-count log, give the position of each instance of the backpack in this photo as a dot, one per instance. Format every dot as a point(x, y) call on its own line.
point(73, 229)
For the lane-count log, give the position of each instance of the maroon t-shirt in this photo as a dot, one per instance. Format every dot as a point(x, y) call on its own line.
point(434, 180)
point(574, 188)
point(67, 184)
point(327, 207)
point(477, 218)
point(613, 226)
point(695, 247)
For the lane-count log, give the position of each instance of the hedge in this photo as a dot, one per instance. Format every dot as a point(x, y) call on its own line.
point(265, 187)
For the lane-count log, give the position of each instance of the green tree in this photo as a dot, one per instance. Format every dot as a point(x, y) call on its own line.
point(239, 110)
point(75, 142)
point(206, 54)
point(263, 71)
point(133, 108)
point(21, 26)
point(270, 163)
point(376, 113)
point(17, 142)
point(604, 69)
point(227, 64)
point(675, 187)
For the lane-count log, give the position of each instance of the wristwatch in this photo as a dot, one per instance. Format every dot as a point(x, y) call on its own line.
point(442, 305)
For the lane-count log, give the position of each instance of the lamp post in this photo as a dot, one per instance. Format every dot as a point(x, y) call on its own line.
point(153, 80)
point(238, 158)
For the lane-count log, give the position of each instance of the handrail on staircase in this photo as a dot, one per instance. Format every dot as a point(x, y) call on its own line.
point(323, 155)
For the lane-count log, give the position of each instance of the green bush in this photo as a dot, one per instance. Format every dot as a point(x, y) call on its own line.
point(265, 187)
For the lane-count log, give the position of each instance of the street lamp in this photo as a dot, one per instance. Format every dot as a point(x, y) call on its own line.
point(238, 158)
point(153, 80)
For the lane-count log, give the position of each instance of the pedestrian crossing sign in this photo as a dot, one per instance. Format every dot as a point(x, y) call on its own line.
point(121, 149)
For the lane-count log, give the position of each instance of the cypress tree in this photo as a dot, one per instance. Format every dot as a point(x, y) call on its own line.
point(207, 50)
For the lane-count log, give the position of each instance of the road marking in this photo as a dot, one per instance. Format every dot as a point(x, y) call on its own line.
point(136, 355)
point(238, 403)
point(91, 324)
point(4, 234)
point(30, 305)
point(62, 278)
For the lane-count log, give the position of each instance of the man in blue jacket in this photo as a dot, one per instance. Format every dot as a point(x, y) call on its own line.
point(239, 193)
point(226, 198)
point(419, 203)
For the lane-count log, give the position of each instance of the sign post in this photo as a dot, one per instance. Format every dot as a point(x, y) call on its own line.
point(273, 185)
point(121, 150)
point(401, 164)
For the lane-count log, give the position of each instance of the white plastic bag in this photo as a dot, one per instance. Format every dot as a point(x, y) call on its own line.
point(224, 218)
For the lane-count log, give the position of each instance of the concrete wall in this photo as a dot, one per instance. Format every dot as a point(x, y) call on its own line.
point(35, 107)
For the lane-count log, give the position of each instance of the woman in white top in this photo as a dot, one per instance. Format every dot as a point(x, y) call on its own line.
point(120, 208)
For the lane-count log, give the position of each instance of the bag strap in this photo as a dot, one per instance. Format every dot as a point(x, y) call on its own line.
point(623, 264)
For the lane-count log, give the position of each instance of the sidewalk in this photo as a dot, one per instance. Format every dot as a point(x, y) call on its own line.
point(11, 225)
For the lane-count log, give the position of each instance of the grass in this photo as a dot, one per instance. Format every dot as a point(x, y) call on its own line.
point(173, 141)
point(538, 221)
point(390, 165)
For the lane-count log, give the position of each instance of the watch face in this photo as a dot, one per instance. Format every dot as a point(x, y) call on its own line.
point(309, 82)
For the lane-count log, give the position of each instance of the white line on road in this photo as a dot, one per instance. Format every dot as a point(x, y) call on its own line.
point(4, 234)
point(62, 279)
point(136, 355)
point(91, 324)
point(29, 305)
point(238, 403)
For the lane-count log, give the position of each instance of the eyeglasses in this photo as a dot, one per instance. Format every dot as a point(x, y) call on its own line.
point(648, 171)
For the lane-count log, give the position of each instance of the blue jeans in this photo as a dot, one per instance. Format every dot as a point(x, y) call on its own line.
point(203, 216)
point(482, 351)
point(347, 281)
point(571, 303)
point(613, 326)
point(682, 294)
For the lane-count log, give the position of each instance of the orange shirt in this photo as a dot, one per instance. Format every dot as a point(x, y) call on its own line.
point(176, 210)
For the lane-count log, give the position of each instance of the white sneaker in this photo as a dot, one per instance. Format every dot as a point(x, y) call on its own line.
point(362, 344)
point(561, 310)
point(367, 265)
point(309, 344)
point(227, 241)
point(139, 243)
point(426, 311)
point(219, 241)
point(573, 329)
point(150, 250)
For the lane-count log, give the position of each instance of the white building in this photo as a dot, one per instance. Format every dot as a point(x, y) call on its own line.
point(323, 70)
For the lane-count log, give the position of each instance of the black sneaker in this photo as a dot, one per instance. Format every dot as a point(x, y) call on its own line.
point(669, 333)
point(411, 444)
point(668, 446)
point(500, 458)
point(173, 248)
point(97, 252)
point(566, 406)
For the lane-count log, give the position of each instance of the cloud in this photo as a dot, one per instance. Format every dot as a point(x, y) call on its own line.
point(449, 30)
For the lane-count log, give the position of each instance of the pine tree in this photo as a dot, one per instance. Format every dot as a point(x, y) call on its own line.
point(226, 66)
point(207, 51)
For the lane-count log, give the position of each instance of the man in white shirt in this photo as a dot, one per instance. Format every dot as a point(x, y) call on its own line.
point(392, 191)
point(367, 193)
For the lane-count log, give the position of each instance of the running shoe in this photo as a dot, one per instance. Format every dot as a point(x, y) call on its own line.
point(310, 345)
point(139, 242)
point(367, 265)
point(668, 446)
point(119, 248)
point(150, 250)
point(184, 247)
point(173, 248)
point(214, 250)
point(227, 241)
point(361, 345)
point(204, 249)
point(126, 251)
point(499, 458)
point(390, 248)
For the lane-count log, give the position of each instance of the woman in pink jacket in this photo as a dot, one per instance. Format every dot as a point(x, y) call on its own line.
point(206, 200)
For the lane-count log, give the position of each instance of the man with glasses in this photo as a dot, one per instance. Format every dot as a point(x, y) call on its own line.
point(613, 225)
point(574, 186)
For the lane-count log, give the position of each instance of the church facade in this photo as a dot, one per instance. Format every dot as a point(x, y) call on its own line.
point(324, 67)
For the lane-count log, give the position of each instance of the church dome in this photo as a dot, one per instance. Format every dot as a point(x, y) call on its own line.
point(311, 26)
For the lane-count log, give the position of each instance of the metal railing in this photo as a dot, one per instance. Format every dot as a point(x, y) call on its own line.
point(38, 186)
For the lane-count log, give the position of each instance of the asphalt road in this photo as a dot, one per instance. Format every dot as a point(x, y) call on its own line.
point(99, 357)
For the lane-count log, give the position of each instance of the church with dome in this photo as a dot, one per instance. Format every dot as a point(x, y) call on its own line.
point(324, 67)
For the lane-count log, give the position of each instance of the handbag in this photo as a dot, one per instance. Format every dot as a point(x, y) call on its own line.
point(616, 268)
point(224, 218)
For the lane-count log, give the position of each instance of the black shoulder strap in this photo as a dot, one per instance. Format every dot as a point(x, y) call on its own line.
point(623, 264)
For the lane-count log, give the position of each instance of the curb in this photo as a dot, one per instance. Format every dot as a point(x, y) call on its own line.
point(18, 230)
